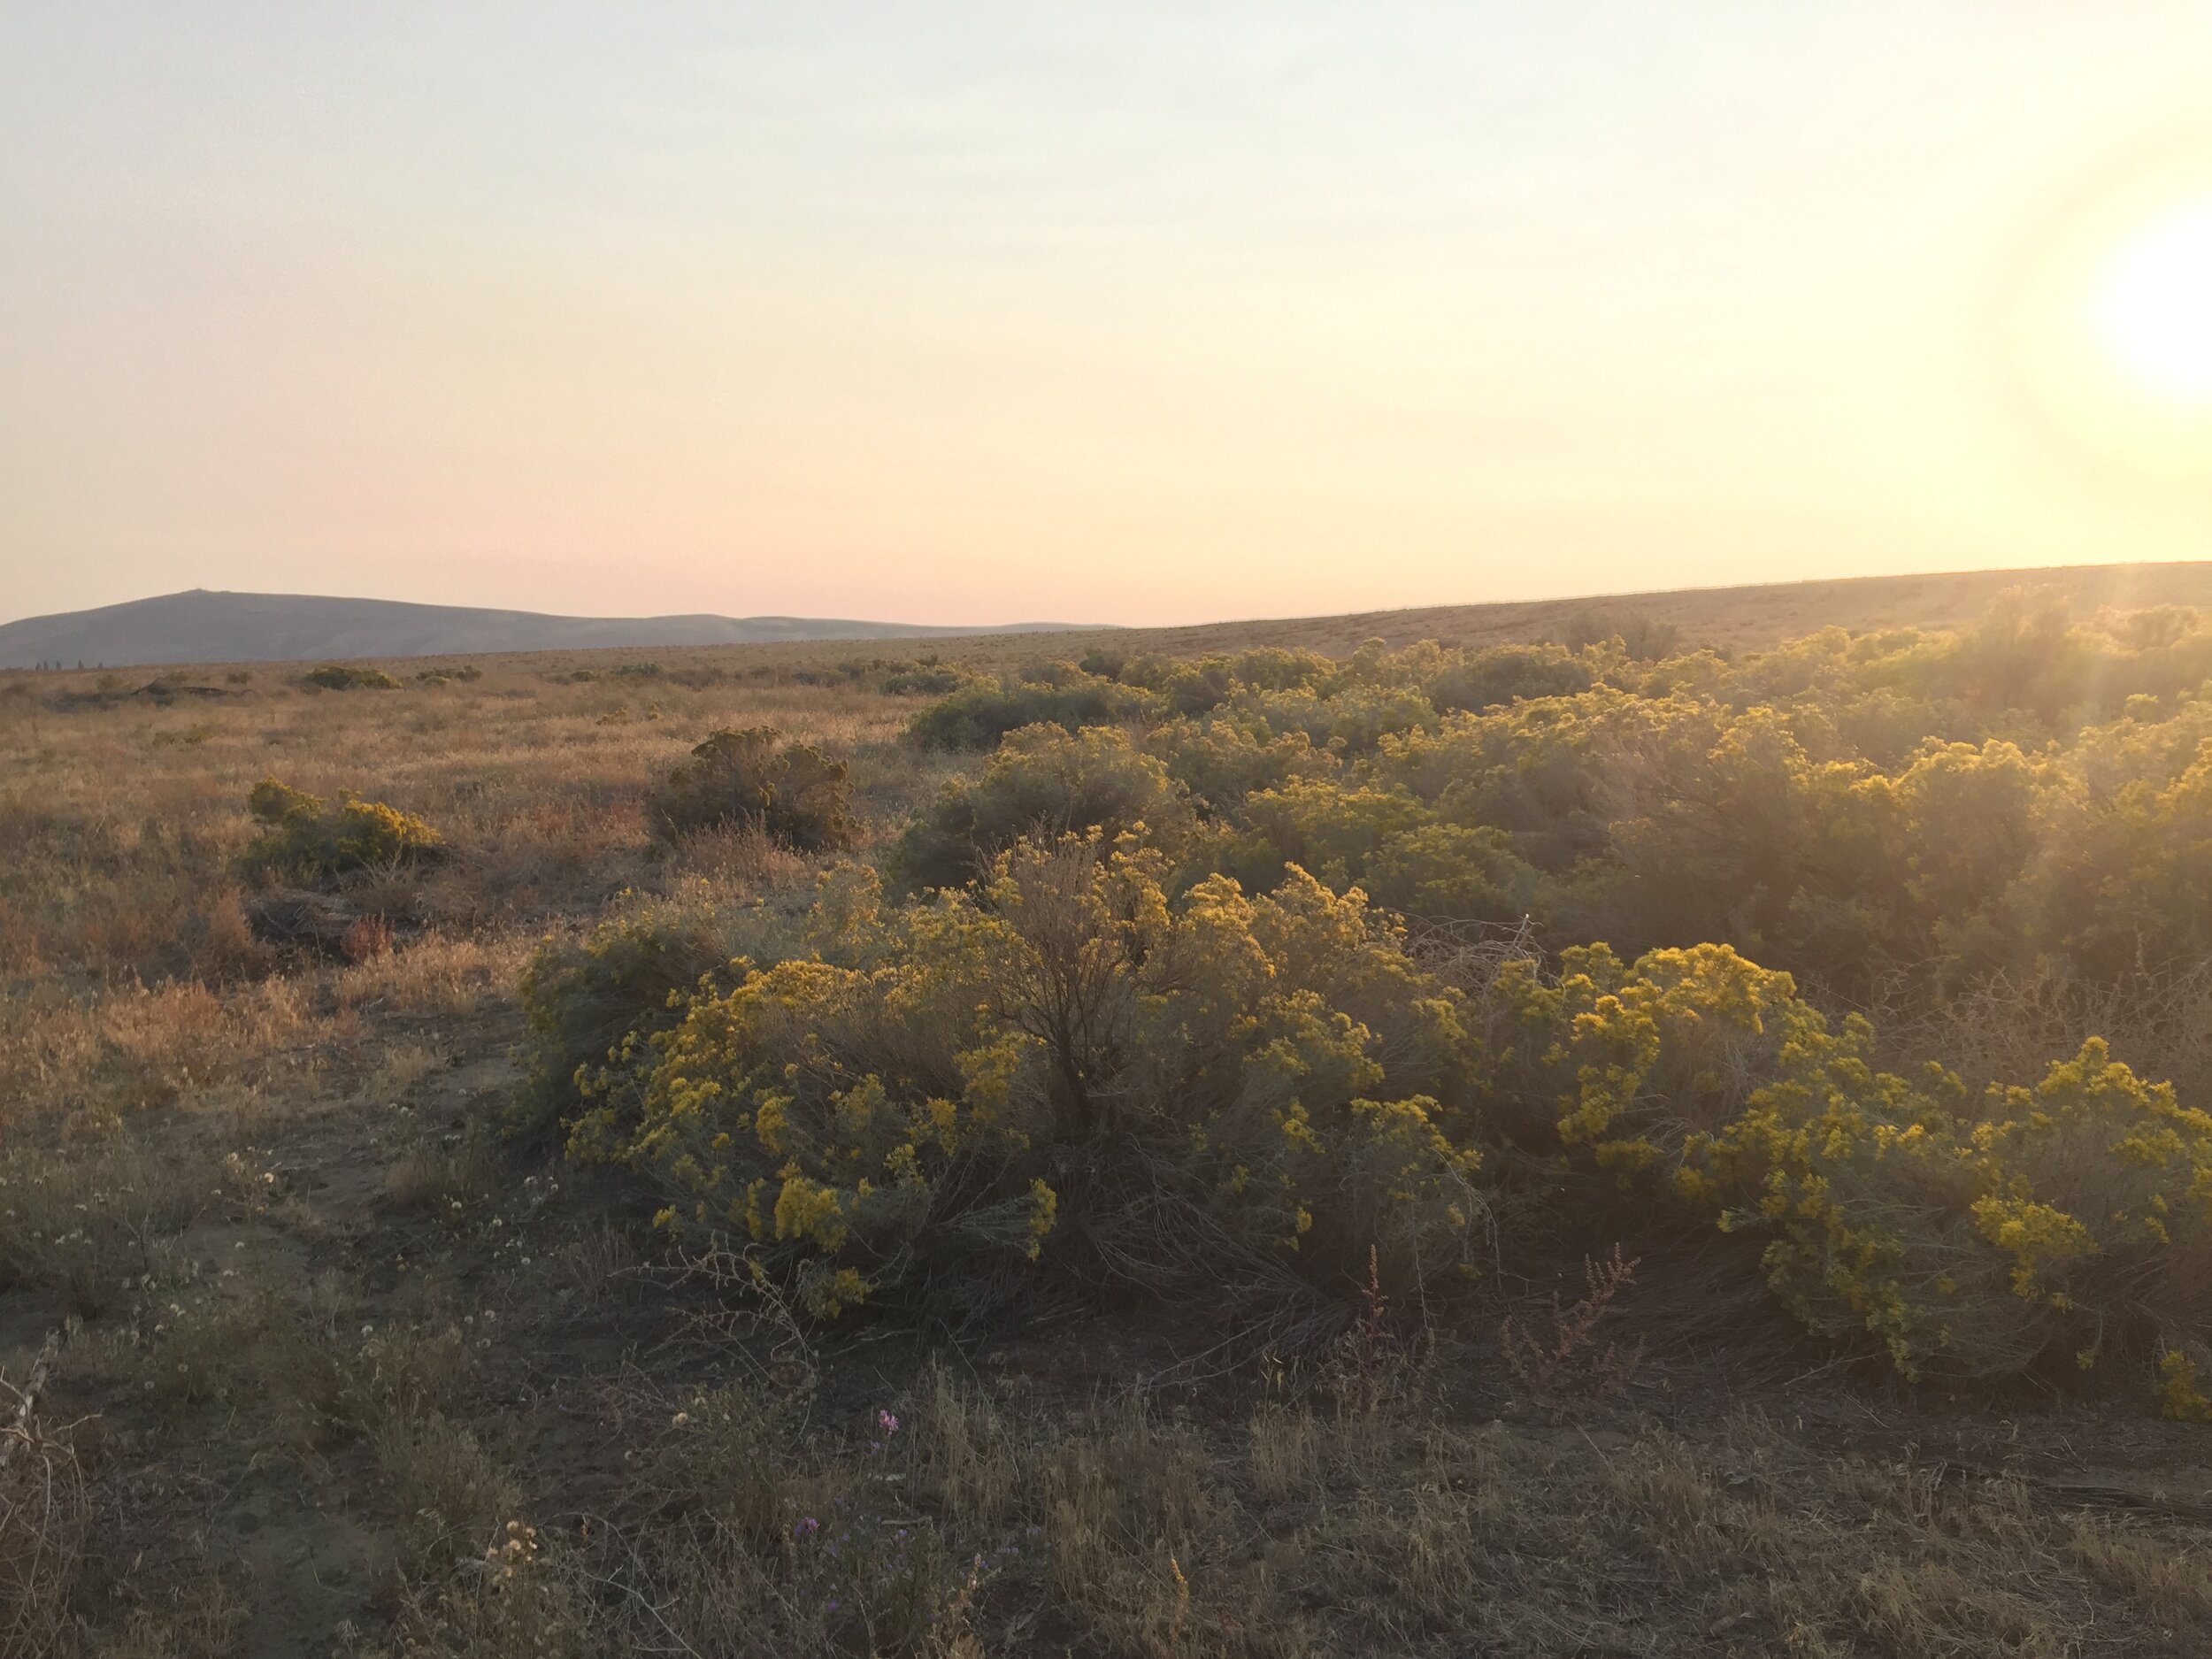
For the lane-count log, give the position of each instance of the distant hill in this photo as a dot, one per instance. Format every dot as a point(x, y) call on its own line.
point(1752, 617)
point(201, 626)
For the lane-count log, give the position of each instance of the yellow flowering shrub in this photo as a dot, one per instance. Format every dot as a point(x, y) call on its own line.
point(1065, 1066)
point(1387, 842)
point(2181, 1388)
point(756, 779)
point(1208, 988)
point(1628, 1059)
point(2056, 1225)
point(590, 1003)
point(2052, 1225)
point(305, 839)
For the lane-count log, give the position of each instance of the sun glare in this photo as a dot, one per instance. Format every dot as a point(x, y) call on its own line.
point(2153, 310)
point(2113, 325)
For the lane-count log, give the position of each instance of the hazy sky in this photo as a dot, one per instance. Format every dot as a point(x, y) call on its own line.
point(1123, 312)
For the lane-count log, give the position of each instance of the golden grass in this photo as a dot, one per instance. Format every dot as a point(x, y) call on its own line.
point(129, 972)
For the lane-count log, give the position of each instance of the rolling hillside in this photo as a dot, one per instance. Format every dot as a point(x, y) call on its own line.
point(203, 627)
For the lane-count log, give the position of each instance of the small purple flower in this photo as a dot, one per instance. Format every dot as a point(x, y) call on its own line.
point(888, 1424)
point(806, 1528)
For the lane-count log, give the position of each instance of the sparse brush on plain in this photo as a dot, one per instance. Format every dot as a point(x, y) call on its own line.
point(1208, 1040)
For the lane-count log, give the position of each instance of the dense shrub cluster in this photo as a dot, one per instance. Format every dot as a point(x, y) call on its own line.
point(754, 779)
point(305, 840)
point(1063, 1062)
point(984, 709)
point(1967, 1237)
point(343, 677)
point(1136, 1003)
point(1041, 783)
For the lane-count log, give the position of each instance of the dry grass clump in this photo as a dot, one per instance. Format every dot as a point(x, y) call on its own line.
point(302, 1360)
point(444, 1176)
point(1285, 1452)
point(451, 1494)
point(737, 860)
point(437, 974)
point(45, 1515)
point(1128, 1510)
point(404, 1065)
point(100, 887)
point(2174, 1585)
point(90, 1222)
point(598, 1263)
point(143, 1046)
point(520, 1600)
point(198, 1618)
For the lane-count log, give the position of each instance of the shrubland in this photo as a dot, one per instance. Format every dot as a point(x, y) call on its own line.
point(1153, 996)
point(1589, 1144)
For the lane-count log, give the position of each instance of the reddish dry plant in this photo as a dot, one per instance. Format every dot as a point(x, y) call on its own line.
point(1367, 1364)
point(369, 936)
point(1570, 1371)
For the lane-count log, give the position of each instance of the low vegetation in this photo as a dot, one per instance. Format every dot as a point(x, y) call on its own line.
point(791, 793)
point(305, 840)
point(1589, 1144)
point(344, 677)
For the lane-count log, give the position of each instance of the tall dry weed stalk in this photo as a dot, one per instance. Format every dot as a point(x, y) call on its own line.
point(1568, 1370)
point(1370, 1364)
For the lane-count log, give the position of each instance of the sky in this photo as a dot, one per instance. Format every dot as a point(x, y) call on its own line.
point(1138, 313)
